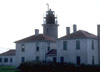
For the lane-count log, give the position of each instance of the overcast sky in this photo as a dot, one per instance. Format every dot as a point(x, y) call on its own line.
point(19, 18)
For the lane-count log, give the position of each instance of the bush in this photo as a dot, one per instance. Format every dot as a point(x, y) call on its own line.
point(56, 67)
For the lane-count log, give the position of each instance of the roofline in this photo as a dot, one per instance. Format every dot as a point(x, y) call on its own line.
point(37, 41)
point(52, 55)
point(78, 38)
point(7, 55)
point(1, 54)
point(65, 36)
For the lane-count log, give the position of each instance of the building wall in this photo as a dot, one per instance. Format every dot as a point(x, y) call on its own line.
point(50, 58)
point(30, 53)
point(92, 52)
point(50, 30)
point(86, 52)
point(71, 53)
point(8, 63)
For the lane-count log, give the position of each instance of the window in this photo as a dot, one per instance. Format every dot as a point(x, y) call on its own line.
point(11, 59)
point(48, 46)
point(6, 60)
point(37, 58)
point(23, 59)
point(47, 30)
point(54, 59)
point(93, 60)
point(0, 59)
point(77, 44)
point(23, 47)
point(78, 60)
point(62, 59)
point(37, 46)
point(64, 45)
point(92, 44)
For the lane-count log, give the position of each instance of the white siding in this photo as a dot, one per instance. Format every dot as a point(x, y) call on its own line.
point(92, 52)
point(31, 53)
point(85, 51)
point(8, 63)
point(71, 53)
point(50, 58)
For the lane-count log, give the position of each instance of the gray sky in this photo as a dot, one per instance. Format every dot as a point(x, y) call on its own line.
point(19, 18)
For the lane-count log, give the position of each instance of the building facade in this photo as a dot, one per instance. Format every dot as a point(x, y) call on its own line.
point(8, 58)
point(79, 47)
point(34, 48)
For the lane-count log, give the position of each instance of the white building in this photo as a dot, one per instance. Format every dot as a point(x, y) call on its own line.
point(34, 48)
point(79, 47)
point(8, 58)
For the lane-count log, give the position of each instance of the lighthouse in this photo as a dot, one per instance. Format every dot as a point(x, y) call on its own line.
point(50, 24)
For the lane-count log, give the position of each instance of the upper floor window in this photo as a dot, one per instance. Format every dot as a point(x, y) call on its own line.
point(92, 44)
point(77, 44)
point(64, 45)
point(0, 59)
point(5, 59)
point(23, 47)
point(48, 46)
point(37, 46)
point(23, 59)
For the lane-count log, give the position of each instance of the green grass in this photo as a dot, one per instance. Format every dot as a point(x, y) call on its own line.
point(7, 69)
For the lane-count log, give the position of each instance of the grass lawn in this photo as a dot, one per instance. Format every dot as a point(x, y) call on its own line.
point(7, 69)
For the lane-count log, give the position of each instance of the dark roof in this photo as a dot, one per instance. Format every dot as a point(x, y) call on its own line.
point(8, 53)
point(79, 34)
point(39, 37)
point(52, 52)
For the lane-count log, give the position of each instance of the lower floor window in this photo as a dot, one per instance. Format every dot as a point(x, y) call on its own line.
point(62, 59)
point(11, 59)
point(23, 59)
point(78, 60)
point(54, 59)
point(5, 59)
point(37, 58)
point(0, 59)
point(92, 59)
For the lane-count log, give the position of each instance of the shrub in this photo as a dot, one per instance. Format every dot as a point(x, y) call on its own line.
point(56, 67)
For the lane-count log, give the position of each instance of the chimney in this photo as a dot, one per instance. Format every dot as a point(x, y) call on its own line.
point(67, 30)
point(36, 31)
point(74, 28)
point(98, 33)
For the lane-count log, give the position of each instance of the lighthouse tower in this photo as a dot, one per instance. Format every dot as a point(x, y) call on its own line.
point(50, 26)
